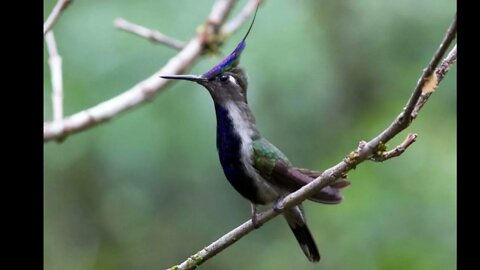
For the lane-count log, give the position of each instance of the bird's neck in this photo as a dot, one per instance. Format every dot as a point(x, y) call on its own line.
point(236, 133)
point(235, 118)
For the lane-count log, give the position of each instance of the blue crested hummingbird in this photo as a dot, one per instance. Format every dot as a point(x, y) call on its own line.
point(258, 170)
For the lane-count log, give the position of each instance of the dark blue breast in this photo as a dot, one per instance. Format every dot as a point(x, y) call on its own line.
point(229, 151)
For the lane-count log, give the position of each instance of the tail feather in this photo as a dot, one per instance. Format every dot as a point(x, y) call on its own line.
point(328, 195)
point(292, 178)
point(297, 223)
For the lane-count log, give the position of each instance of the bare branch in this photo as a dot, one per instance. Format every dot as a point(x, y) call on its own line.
point(149, 34)
point(55, 62)
point(144, 90)
point(220, 11)
point(364, 152)
point(397, 151)
point(60, 6)
point(440, 72)
point(446, 63)
point(427, 72)
point(241, 17)
point(140, 93)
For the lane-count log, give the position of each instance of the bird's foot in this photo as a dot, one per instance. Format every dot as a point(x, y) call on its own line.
point(254, 217)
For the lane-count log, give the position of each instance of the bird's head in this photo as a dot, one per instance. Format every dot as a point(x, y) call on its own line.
point(225, 81)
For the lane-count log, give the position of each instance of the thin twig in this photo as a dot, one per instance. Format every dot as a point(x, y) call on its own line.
point(144, 90)
point(140, 93)
point(439, 75)
point(152, 35)
point(241, 17)
point(446, 63)
point(451, 33)
point(364, 152)
point(60, 6)
point(397, 151)
point(55, 62)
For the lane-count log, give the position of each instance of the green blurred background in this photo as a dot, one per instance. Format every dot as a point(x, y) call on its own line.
point(146, 190)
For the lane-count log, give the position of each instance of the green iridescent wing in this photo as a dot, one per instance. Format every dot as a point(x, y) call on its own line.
point(275, 167)
point(266, 156)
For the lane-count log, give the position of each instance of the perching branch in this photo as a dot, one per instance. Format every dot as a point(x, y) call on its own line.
point(60, 6)
point(149, 34)
point(146, 89)
point(365, 151)
point(55, 62)
point(447, 63)
point(439, 74)
point(429, 71)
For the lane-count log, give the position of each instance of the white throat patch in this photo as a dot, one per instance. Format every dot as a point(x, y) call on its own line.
point(245, 131)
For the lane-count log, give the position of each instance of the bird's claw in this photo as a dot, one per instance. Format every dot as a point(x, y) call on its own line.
point(255, 223)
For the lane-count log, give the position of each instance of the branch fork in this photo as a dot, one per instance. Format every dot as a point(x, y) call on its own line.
point(382, 154)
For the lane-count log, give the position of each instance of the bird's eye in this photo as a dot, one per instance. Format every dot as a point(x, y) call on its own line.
point(223, 78)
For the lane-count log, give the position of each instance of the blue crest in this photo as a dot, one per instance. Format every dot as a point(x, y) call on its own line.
point(231, 60)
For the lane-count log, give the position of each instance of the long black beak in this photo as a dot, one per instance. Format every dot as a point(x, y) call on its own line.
point(192, 78)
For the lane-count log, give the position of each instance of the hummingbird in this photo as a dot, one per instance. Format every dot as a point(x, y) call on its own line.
point(255, 168)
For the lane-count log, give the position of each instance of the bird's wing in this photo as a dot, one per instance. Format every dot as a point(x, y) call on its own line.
point(275, 167)
point(340, 183)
